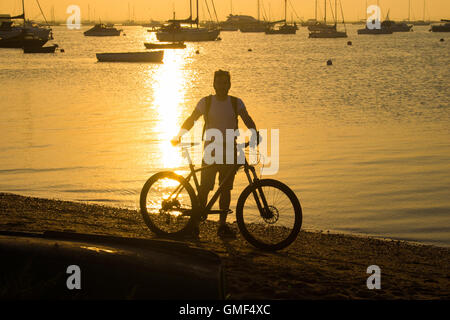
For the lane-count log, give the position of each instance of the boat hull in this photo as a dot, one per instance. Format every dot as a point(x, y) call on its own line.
point(16, 37)
point(165, 45)
point(283, 30)
point(20, 42)
point(102, 34)
point(321, 27)
point(326, 35)
point(154, 56)
point(192, 35)
point(49, 49)
point(440, 28)
point(375, 31)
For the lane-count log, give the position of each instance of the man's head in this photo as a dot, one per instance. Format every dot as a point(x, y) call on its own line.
point(222, 83)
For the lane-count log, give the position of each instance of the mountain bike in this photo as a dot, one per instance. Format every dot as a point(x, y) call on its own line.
point(268, 212)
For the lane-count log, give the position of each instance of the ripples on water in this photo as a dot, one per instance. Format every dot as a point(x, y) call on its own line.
point(364, 143)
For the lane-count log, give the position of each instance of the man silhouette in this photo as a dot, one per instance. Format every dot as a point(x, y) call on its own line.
point(220, 112)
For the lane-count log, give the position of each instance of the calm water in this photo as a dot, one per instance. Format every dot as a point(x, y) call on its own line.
point(364, 143)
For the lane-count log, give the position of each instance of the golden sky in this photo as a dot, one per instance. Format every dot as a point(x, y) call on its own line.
point(163, 9)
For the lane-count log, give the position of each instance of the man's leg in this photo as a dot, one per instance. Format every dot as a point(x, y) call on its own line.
point(224, 204)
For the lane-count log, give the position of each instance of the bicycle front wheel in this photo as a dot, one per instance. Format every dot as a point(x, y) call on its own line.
point(168, 203)
point(269, 215)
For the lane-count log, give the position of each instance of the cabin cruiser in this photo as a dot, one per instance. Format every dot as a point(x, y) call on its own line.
point(102, 30)
point(442, 27)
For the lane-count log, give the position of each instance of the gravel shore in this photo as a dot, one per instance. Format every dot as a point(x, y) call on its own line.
point(316, 266)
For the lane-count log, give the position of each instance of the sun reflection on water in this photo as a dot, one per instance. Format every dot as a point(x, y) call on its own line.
point(169, 85)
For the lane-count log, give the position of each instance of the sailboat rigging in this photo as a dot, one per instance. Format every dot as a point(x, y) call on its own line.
point(175, 32)
point(28, 34)
point(329, 31)
point(285, 28)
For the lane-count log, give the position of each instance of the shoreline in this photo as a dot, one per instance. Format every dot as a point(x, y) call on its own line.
point(318, 265)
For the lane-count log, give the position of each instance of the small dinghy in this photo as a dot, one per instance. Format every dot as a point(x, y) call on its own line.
point(173, 45)
point(153, 56)
point(34, 49)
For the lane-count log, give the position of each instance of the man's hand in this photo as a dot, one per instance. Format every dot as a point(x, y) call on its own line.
point(255, 139)
point(175, 141)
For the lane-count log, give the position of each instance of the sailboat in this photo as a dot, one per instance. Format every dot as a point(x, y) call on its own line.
point(17, 36)
point(256, 26)
point(175, 32)
point(317, 26)
point(285, 28)
point(329, 31)
point(395, 26)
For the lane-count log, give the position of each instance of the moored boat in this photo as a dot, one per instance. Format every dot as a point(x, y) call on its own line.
point(14, 36)
point(102, 30)
point(152, 56)
point(283, 29)
point(174, 45)
point(176, 31)
point(33, 49)
point(442, 27)
point(328, 31)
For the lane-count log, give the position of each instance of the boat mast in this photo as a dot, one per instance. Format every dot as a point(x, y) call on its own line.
point(424, 10)
point(409, 10)
point(325, 15)
point(258, 10)
point(190, 11)
point(335, 12)
point(197, 20)
point(23, 10)
point(315, 12)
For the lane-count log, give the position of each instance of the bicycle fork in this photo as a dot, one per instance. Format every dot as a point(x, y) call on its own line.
point(263, 207)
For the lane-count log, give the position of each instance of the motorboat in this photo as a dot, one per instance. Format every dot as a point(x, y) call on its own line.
point(152, 56)
point(102, 30)
point(442, 27)
point(254, 25)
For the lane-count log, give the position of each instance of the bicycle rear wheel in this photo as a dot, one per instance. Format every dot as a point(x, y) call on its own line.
point(273, 225)
point(168, 203)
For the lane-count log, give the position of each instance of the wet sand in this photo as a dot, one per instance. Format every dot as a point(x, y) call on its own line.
point(318, 265)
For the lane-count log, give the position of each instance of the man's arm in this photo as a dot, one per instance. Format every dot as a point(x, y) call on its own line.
point(187, 125)
point(250, 124)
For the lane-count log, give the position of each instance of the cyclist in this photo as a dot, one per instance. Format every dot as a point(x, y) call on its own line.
point(220, 112)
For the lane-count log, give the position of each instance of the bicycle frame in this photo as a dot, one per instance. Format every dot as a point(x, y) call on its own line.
point(250, 172)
